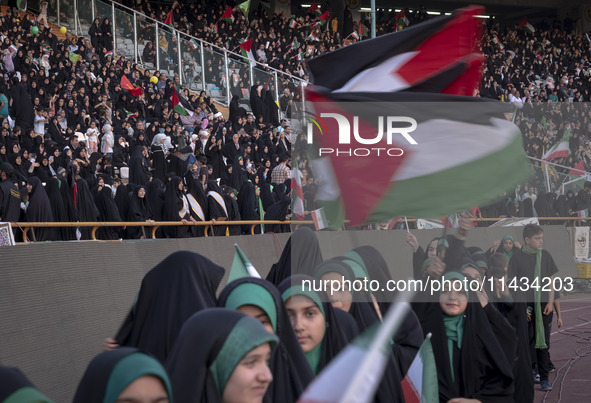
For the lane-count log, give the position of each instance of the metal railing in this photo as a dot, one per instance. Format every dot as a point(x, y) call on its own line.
point(200, 65)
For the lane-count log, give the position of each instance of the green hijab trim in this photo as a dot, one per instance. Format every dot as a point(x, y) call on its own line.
point(253, 294)
point(333, 267)
point(454, 325)
point(131, 368)
point(509, 254)
point(247, 334)
point(27, 394)
point(359, 270)
point(313, 357)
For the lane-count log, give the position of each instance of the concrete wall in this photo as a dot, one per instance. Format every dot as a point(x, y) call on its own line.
point(58, 301)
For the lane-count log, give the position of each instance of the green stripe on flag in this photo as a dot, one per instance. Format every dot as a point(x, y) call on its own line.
point(498, 170)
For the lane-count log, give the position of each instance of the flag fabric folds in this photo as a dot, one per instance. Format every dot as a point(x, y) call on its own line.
point(560, 149)
point(168, 20)
point(430, 71)
point(526, 26)
point(227, 16)
point(313, 8)
point(401, 20)
point(297, 193)
point(420, 384)
point(320, 220)
point(241, 266)
point(245, 7)
point(126, 85)
point(181, 105)
point(246, 49)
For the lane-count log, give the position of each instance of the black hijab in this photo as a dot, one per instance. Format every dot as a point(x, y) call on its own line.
point(306, 258)
point(191, 364)
point(122, 201)
point(278, 212)
point(13, 382)
point(110, 372)
point(137, 171)
point(180, 285)
point(39, 210)
point(108, 212)
point(155, 197)
point(291, 371)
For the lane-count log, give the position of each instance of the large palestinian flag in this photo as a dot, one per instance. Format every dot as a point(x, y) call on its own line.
point(463, 152)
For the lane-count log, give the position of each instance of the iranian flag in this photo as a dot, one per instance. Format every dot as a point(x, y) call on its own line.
point(245, 48)
point(420, 383)
point(313, 37)
point(109, 53)
point(355, 35)
point(559, 149)
point(457, 141)
point(130, 114)
point(297, 193)
point(193, 43)
point(526, 26)
point(241, 266)
point(227, 16)
point(126, 85)
point(320, 220)
point(181, 105)
point(355, 374)
point(497, 42)
point(300, 56)
point(401, 20)
point(292, 23)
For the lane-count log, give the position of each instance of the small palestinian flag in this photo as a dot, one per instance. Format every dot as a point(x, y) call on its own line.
point(130, 114)
point(401, 20)
point(227, 16)
point(181, 105)
point(245, 48)
point(293, 23)
point(321, 20)
point(168, 20)
point(193, 44)
point(526, 26)
point(109, 53)
point(497, 42)
point(294, 45)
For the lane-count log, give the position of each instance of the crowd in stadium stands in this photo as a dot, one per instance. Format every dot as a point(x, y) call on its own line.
point(75, 127)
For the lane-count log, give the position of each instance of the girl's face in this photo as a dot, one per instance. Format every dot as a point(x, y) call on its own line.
point(307, 321)
point(432, 249)
point(259, 314)
point(141, 193)
point(145, 389)
point(508, 245)
point(452, 302)
point(251, 377)
point(340, 299)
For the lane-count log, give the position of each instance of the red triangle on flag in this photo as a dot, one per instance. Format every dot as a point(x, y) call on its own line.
point(362, 184)
point(523, 22)
point(246, 45)
point(313, 7)
point(168, 19)
point(434, 55)
point(469, 80)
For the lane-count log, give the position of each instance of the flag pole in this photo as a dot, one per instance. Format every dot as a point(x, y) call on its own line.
point(392, 321)
point(407, 228)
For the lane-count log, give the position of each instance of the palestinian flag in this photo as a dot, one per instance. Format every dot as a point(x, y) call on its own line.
point(313, 8)
point(578, 170)
point(297, 194)
point(126, 85)
point(168, 20)
point(560, 149)
point(292, 23)
point(130, 114)
point(526, 26)
point(321, 20)
point(497, 42)
point(22, 5)
point(355, 374)
point(320, 220)
point(420, 384)
point(401, 20)
point(227, 16)
point(456, 140)
point(244, 7)
point(241, 266)
point(109, 53)
point(246, 49)
point(181, 105)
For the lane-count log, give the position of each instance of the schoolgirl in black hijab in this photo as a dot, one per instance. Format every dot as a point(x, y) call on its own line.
point(39, 209)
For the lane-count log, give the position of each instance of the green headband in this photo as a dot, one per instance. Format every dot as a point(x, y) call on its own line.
point(247, 334)
point(359, 270)
point(133, 367)
point(253, 294)
point(454, 275)
point(507, 237)
point(27, 394)
point(299, 290)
